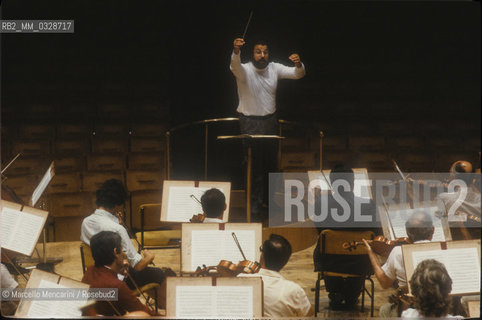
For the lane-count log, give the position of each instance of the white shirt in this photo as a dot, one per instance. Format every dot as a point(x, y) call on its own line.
point(212, 220)
point(257, 87)
point(282, 298)
point(102, 220)
point(6, 279)
point(394, 267)
point(413, 313)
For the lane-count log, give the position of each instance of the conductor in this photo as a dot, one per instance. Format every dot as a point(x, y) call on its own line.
point(257, 82)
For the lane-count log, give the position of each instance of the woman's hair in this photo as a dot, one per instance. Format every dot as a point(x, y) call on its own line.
point(431, 286)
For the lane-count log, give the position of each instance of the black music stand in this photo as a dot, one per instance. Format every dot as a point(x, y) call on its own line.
point(249, 137)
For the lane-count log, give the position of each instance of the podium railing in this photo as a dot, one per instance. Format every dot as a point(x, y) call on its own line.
point(207, 122)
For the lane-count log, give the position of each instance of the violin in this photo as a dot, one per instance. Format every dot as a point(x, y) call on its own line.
point(380, 245)
point(226, 268)
point(198, 218)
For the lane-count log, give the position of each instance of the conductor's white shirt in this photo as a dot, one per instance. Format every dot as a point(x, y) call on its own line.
point(102, 220)
point(282, 298)
point(257, 87)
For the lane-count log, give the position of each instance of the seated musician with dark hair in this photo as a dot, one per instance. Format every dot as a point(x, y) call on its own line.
point(213, 203)
point(431, 286)
point(109, 262)
point(419, 228)
point(110, 199)
point(282, 298)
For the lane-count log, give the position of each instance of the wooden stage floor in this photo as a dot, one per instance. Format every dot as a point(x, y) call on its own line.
point(299, 269)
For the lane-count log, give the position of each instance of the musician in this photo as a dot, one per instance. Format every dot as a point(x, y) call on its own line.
point(213, 203)
point(110, 198)
point(419, 228)
point(344, 292)
point(468, 207)
point(7, 282)
point(109, 261)
point(257, 82)
point(282, 298)
point(431, 286)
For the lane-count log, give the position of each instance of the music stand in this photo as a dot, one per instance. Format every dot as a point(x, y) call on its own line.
point(249, 137)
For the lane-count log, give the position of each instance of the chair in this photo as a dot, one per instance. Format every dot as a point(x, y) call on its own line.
point(331, 247)
point(88, 260)
point(160, 236)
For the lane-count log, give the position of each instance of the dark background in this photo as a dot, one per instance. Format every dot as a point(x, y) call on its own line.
point(370, 65)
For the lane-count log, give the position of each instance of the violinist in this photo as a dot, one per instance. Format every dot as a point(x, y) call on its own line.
point(110, 198)
point(419, 228)
point(106, 273)
point(462, 204)
point(213, 203)
point(344, 292)
point(282, 298)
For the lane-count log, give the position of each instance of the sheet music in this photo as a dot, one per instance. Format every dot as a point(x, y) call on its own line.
point(462, 264)
point(399, 217)
point(42, 185)
point(20, 230)
point(360, 187)
point(211, 246)
point(53, 308)
point(214, 301)
point(181, 206)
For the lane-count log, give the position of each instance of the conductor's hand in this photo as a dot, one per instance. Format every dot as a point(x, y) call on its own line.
point(237, 44)
point(295, 58)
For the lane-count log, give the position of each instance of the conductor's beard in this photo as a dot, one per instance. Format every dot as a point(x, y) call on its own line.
point(261, 63)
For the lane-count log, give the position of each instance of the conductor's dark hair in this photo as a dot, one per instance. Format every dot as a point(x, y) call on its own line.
point(102, 246)
point(419, 226)
point(276, 252)
point(341, 172)
point(213, 201)
point(112, 193)
point(431, 286)
point(262, 42)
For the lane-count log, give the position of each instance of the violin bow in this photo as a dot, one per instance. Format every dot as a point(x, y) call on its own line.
point(327, 181)
point(141, 292)
point(195, 199)
point(398, 169)
point(239, 246)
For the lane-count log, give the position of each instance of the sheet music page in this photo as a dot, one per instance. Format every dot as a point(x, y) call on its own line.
point(211, 246)
point(234, 301)
point(362, 183)
point(20, 230)
point(52, 308)
point(360, 188)
point(214, 301)
point(399, 217)
point(42, 185)
point(195, 301)
point(462, 264)
point(181, 206)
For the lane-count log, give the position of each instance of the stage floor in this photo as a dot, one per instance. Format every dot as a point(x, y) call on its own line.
point(299, 269)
